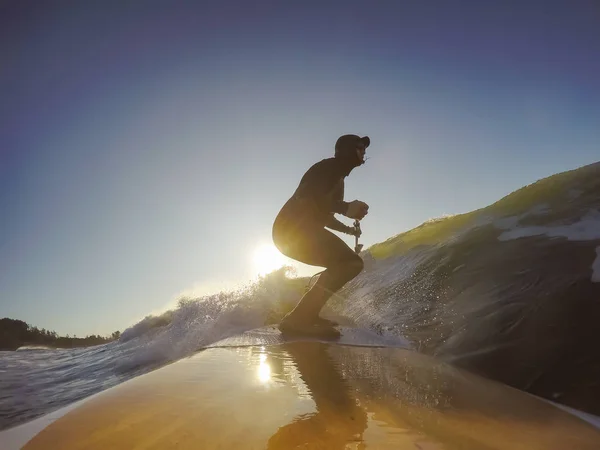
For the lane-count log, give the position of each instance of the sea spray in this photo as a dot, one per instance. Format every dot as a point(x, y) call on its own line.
point(200, 321)
point(34, 382)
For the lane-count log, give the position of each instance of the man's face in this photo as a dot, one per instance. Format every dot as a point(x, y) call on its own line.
point(360, 152)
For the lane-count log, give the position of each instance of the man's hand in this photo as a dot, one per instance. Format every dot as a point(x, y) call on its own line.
point(357, 210)
point(353, 231)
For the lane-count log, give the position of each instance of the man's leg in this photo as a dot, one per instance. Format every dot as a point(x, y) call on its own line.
point(322, 248)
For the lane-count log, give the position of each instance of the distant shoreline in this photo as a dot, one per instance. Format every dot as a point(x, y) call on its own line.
point(15, 334)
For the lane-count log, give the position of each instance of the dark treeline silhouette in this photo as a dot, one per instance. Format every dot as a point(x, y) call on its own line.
point(16, 333)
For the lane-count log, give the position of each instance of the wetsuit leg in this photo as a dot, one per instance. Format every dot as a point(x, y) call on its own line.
point(319, 247)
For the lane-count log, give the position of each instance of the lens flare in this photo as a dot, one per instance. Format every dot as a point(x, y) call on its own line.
point(267, 259)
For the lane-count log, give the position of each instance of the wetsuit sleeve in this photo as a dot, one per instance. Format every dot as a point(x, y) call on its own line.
point(336, 225)
point(318, 182)
point(340, 207)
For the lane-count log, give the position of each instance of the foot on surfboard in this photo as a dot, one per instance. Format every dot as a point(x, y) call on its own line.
point(322, 321)
point(320, 328)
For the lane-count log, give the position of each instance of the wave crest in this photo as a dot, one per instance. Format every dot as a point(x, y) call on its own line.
point(200, 321)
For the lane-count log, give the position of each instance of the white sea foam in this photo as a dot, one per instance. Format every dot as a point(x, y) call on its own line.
point(587, 229)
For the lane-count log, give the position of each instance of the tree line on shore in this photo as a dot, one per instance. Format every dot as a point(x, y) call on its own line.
point(17, 333)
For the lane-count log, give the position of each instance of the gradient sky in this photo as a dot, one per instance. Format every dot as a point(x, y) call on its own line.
point(146, 147)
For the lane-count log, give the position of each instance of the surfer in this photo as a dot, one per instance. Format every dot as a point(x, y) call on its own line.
point(299, 232)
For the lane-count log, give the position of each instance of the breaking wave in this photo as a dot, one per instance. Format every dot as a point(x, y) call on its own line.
point(509, 292)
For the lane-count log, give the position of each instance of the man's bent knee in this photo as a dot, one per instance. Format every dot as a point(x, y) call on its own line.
point(353, 267)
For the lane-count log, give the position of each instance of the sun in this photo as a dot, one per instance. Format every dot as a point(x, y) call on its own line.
point(267, 259)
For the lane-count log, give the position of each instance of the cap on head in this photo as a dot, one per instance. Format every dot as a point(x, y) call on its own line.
point(345, 149)
point(346, 145)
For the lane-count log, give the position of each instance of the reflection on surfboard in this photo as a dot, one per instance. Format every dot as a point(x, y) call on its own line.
point(338, 419)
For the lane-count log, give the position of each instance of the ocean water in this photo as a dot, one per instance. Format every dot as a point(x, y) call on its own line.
point(36, 381)
point(428, 299)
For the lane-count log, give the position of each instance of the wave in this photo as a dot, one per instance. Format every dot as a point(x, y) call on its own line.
point(200, 321)
point(489, 292)
point(509, 292)
point(33, 348)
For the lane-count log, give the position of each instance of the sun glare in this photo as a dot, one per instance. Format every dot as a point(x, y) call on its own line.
point(264, 370)
point(267, 259)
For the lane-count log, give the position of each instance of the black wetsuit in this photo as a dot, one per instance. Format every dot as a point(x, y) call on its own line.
point(299, 232)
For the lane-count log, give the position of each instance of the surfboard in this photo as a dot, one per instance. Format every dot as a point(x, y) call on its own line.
point(313, 395)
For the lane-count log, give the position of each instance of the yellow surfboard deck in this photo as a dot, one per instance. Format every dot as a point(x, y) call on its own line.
point(314, 395)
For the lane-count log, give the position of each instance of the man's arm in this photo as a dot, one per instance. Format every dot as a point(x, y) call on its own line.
point(336, 225)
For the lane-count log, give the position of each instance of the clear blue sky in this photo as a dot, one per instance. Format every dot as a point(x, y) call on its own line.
point(147, 147)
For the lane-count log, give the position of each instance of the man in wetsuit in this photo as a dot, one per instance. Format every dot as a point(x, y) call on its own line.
point(299, 232)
